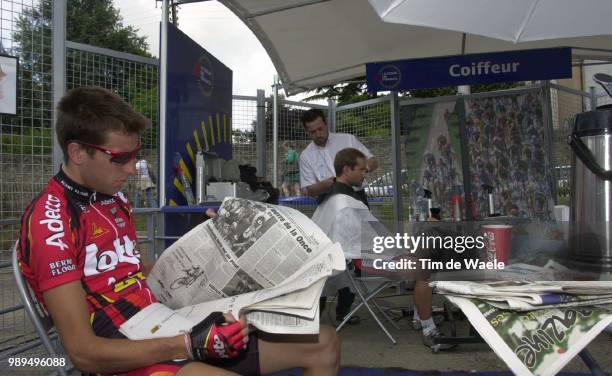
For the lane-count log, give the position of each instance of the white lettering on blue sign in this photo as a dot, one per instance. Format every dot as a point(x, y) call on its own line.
point(482, 68)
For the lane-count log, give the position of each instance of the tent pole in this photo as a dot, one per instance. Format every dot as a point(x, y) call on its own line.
point(59, 73)
point(163, 68)
point(275, 133)
point(396, 161)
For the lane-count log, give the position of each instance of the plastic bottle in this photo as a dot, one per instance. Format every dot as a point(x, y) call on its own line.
point(185, 182)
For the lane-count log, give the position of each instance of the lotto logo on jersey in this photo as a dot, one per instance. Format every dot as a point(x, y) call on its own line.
point(97, 261)
point(53, 223)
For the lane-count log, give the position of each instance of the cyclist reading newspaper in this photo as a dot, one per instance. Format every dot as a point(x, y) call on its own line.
point(79, 253)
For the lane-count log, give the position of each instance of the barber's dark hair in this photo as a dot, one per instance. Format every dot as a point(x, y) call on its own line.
point(88, 113)
point(312, 115)
point(347, 157)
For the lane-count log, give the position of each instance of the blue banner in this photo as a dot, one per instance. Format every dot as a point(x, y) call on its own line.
point(540, 64)
point(199, 110)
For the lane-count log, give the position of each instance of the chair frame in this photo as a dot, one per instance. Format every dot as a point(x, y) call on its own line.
point(367, 297)
point(36, 312)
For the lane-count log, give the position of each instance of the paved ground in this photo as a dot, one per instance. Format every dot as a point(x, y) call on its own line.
point(365, 345)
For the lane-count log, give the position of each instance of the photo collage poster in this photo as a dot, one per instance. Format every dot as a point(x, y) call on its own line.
point(507, 151)
point(431, 156)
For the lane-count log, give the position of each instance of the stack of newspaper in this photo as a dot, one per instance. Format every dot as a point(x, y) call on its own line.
point(535, 326)
point(266, 261)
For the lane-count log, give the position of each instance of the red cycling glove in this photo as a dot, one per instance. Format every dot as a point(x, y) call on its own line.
point(214, 338)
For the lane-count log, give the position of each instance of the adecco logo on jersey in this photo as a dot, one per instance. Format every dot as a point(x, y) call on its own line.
point(53, 222)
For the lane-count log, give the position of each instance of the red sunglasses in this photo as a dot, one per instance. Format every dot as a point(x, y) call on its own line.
point(116, 157)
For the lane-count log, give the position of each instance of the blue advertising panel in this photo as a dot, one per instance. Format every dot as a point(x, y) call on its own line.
point(539, 64)
point(199, 110)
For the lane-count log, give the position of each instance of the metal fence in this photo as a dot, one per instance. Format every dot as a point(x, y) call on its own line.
point(25, 146)
point(135, 79)
point(25, 138)
point(290, 133)
point(370, 122)
point(244, 128)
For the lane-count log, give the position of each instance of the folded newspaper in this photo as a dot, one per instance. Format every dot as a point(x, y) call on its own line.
point(535, 327)
point(266, 261)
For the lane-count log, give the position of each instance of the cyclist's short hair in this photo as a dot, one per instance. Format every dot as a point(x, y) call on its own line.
point(89, 113)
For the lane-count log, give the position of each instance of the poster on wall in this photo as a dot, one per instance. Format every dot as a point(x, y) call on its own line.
point(431, 156)
point(507, 151)
point(8, 84)
point(198, 117)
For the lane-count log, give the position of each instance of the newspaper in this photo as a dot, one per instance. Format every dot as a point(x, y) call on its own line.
point(526, 296)
point(535, 326)
point(269, 262)
point(533, 287)
point(539, 342)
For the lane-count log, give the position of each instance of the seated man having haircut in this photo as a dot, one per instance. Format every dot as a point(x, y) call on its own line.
point(340, 213)
point(78, 250)
point(345, 217)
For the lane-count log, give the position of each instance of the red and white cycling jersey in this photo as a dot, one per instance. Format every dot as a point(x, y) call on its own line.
point(70, 233)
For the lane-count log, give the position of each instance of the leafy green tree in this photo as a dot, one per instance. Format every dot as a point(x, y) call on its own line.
point(94, 22)
point(373, 120)
point(352, 92)
point(98, 23)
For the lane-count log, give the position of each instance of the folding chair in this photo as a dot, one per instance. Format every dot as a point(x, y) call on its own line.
point(38, 315)
point(365, 296)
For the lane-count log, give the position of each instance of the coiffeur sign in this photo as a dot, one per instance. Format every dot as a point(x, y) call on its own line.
point(540, 64)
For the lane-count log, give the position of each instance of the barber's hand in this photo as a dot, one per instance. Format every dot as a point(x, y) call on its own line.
point(215, 338)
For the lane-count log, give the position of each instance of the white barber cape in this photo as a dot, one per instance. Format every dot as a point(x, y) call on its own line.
point(347, 221)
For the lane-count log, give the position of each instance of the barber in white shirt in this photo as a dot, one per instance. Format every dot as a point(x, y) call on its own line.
point(317, 160)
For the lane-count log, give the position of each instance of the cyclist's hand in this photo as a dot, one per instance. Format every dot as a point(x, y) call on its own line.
point(215, 338)
point(229, 317)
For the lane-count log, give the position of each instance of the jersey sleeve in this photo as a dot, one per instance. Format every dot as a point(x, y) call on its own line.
point(47, 244)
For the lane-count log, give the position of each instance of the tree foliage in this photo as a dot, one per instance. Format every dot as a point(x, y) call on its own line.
point(346, 93)
point(98, 23)
point(373, 120)
point(93, 22)
point(289, 125)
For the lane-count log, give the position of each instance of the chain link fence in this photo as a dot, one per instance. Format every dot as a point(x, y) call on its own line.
point(135, 79)
point(25, 147)
point(244, 126)
point(25, 138)
point(370, 122)
point(291, 134)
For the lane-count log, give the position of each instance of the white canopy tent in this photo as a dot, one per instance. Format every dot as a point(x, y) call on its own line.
point(318, 42)
point(514, 21)
point(313, 43)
